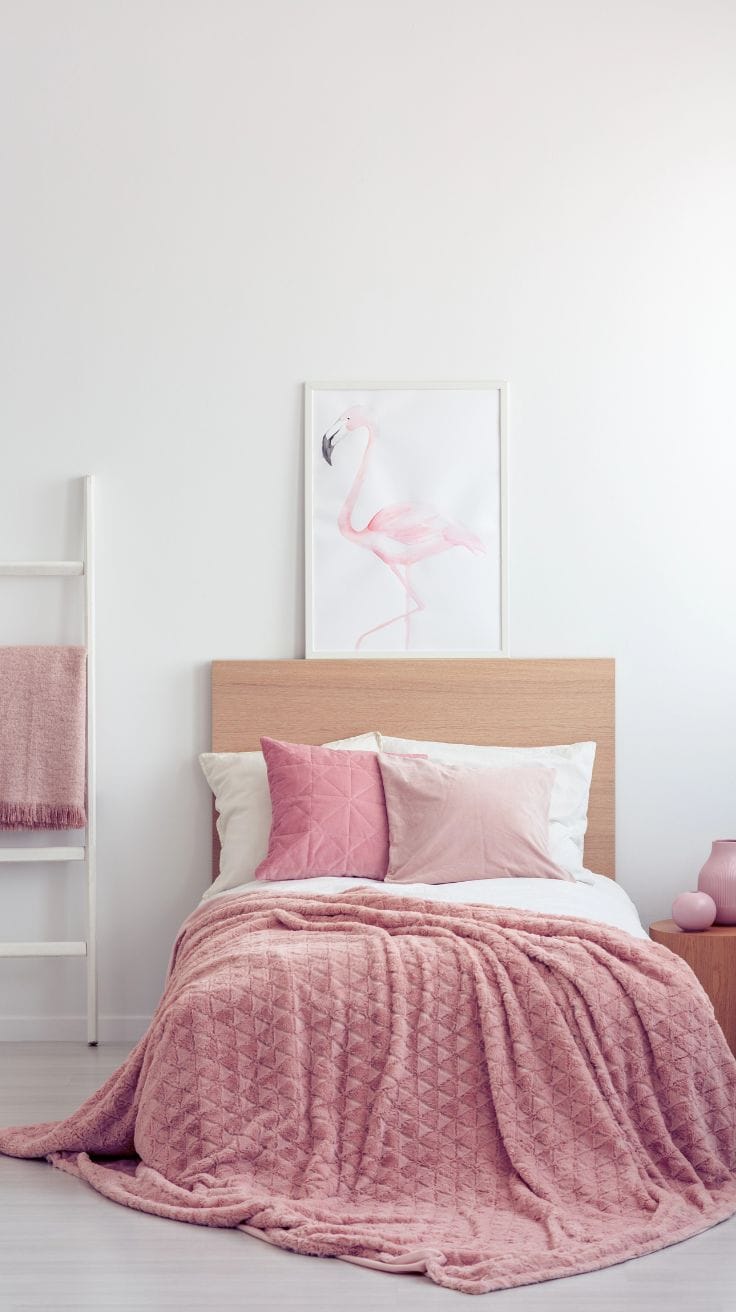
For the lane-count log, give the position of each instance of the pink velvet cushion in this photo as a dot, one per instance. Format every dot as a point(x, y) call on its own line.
point(450, 823)
point(329, 813)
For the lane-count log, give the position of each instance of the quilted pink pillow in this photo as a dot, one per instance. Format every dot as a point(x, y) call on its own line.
point(451, 823)
point(329, 813)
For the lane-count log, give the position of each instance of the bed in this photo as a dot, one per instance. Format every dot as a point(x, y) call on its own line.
point(491, 1083)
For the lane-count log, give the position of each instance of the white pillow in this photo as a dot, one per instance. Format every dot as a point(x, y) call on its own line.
point(239, 782)
point(573, 767)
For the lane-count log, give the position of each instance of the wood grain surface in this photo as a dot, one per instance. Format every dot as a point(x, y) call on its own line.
point(711, 955)
point(514, 703)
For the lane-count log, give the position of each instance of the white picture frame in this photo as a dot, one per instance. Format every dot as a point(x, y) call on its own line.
point(432, 515)
point(446, 478)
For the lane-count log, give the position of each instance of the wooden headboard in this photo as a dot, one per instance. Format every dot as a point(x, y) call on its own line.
point(514, 703)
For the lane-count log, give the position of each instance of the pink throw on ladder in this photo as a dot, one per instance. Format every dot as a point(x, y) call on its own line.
point(42, 737)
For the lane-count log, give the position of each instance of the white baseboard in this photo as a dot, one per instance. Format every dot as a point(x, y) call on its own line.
point(56, 1029)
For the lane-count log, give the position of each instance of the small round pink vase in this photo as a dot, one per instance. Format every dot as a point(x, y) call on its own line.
point(694, 911)
point(718, 878)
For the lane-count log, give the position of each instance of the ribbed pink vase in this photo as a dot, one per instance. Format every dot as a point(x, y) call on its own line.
point(718, 877)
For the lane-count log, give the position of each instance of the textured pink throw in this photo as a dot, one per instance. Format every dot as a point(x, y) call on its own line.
point(492, 1097)
point(42, 737)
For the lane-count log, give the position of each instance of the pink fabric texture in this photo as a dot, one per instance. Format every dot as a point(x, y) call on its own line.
point(328, 813)
point(42, 737)
point(449, 823)
point(490, 1096)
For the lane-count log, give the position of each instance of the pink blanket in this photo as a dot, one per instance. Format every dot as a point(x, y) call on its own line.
point(43, 704)
point(490, 1096)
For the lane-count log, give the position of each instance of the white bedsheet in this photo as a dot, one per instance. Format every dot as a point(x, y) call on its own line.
point(592, 896)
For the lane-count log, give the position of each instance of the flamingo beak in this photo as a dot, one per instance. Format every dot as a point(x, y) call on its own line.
point(328, 442)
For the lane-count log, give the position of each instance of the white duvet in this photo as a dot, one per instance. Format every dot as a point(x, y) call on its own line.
point(591, 896)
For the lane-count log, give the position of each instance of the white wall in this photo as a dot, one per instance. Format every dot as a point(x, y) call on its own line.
point(203, 205)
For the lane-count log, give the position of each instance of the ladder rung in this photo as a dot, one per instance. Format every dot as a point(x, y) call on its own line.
point(41, 567)
point(41, 854)
point(43, 949)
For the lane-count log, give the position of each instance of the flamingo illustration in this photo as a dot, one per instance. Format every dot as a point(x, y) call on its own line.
point(401, 535)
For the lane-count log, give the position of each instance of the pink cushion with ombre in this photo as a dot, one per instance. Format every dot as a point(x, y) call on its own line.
point(328, 813)
point(451, 823)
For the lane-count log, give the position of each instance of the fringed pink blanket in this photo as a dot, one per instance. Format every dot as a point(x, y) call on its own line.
point(42, 737)
point(492, 1097)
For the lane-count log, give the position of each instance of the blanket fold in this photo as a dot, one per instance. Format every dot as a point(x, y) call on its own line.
point(42, 737)
point(489, 1096)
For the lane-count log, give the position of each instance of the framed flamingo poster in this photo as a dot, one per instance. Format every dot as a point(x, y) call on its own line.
point(405, 519)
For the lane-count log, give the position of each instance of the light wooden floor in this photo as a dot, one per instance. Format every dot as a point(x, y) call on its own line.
point(62, 1246)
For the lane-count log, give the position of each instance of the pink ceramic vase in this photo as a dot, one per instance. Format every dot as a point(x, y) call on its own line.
point(718, 877)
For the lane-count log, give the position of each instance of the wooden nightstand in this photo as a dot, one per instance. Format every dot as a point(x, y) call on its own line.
point(711, 955)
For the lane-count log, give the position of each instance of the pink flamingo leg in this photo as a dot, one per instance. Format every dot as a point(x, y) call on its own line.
point(411, 596)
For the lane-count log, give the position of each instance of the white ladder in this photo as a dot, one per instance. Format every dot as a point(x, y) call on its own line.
point(88, 853)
